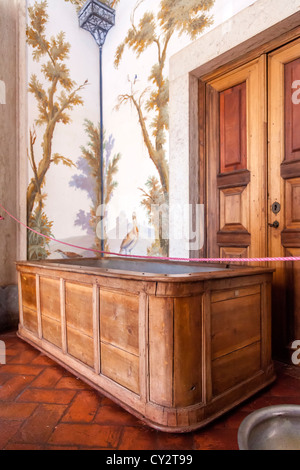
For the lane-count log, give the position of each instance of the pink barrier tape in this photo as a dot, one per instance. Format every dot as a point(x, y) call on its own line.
point(198, 260)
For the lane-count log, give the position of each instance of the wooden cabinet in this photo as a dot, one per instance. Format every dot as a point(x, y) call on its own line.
point(176, 350)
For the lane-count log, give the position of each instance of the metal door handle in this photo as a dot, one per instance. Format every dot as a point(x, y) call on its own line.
point(274, 224)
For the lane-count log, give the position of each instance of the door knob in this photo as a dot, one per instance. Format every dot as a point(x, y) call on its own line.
point(274, 224)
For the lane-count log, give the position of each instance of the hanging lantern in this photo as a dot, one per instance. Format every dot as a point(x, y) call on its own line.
point(98, 18)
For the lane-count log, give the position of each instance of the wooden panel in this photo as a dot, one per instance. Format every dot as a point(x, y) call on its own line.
point(79, 321)
point(28, 283)
point(219, 296)
point(235, 324)
point(293, 203)
point(50, 297)
point(290, 238)
point(292, 112)
point(80, 346)
point(233, 136)
point(198, 185)
point(29, 302)
point(233, 209)
point(30, 319)
point(232, 369)
point(79, 307)
point(96, 328)
point(51, 331)
point(213, 169)
point(234, 238)
point(231, 180)
point(161, 350)
point(290, 169)
point(293, 297)
point(119, 320)
point(233, 252)
point(120, 366)
point(187, 359)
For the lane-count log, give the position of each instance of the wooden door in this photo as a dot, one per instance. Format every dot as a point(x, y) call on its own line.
point(284, 188)
point(253, 176)
point(237, 163)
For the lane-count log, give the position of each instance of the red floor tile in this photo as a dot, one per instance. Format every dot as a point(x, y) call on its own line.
point(142, 438)
point(91, 435)
point(23, 357)
point(113, 414)
point(83, 408)
point(7, 430)
point(48, 378)
point(44, 407)
point(42, 360)
point(16, 411)
point(14, 386)
point(4, 378)
point(20, 370)
point(37, 395)
point(175, 441)
point(39, 427)
point(72, 383)
point(214, 438)
point(23, 447)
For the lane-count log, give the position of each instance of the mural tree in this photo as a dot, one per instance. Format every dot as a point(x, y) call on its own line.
point(178, 17)
point(90, 178)
point(55, 97)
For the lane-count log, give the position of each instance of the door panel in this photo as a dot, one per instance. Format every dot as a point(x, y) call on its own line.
point(284, 187)
point(292, 112)
point(236, 163)
point(233, 131)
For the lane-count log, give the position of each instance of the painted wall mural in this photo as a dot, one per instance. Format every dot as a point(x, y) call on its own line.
point(63, 122)
point(156, 29)
point(89, 181)
point(54, 107)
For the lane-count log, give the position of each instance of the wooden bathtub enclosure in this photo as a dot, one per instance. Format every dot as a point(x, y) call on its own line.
point(175, 348)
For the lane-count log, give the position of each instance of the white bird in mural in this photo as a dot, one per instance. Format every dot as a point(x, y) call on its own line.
point(131, 238)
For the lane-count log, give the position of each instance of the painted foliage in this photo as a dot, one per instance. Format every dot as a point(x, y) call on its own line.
point(54, 107)
point(89, 180)
point(56, 94)
point(151, 32)
point(156, 29)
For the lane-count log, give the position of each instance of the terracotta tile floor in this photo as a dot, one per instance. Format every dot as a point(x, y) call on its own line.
point(44, 407)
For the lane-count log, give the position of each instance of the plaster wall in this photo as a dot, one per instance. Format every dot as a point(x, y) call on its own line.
point(8, 162)
point(8, 139)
